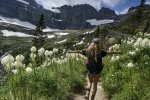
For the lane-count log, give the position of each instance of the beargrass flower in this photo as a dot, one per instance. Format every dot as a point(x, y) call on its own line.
point(130, 65)
point(117, 58)
point(137, 49)
point(33, 49)
point(7, 60)
point(32, 56)
point(62, 57)
point(17, 64)
point(132, 53)
point(46, 53)
point(20, 57)
point(50, 53)
point(145, 42)
point(146, 63)
point(64, 50)
point(15, 71)
point(113, 59)
point(41, 51)
point(55, 50)
point(138, 43)
point(29, 70)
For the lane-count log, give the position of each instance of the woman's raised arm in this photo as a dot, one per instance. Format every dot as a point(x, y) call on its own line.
point(77, 51)
point(114, 52)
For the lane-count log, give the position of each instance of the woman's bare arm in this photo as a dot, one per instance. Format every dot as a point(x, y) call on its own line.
point(74, 51)
point(112, 52)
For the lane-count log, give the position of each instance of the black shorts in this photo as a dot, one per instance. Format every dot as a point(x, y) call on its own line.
point(94, 69)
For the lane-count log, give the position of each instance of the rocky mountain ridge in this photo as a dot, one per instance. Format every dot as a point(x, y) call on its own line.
point(69, 17)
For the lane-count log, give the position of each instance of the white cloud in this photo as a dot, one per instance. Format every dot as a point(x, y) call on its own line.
point(148, 2)
point(112, 3)
point(124, 11)
point(49, 4)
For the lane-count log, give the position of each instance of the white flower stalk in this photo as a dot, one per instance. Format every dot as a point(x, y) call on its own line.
point(20, 57)
point(41, 51)
point(54, 60)
point(113, 59)
point(137, 50)
point(32, 56)
point(30, 65)
point(50, 53)
point(29, 70)
point(117, 58)
point(116, 47)
point(130, 65)
point(55, 50)
point(33, 49)
point(64, 50)
point(145, 42)
point(132, 53)
point(138, 43)
point(46, 53)
point(17, 64)
point(7, 61)
point(124, 41)
point(15, 71)
point(146, 63)
point(58, 61)
point(61, 57)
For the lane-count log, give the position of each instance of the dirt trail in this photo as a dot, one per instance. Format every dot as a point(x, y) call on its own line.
point(100, 95)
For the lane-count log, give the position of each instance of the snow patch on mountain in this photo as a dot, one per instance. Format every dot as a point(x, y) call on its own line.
point(62, 41)
point(23, 1)
point(81, 42)
point(17, 22)
point(99, 22)
point(18, 34)
point(50, 36)
point(61, 33)
point(50, 29)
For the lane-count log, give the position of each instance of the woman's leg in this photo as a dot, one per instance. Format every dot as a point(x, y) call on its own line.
point(90, 80)
point(95, 81)
point(89, 85)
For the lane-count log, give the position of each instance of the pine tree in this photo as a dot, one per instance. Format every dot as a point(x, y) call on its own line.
point(39, 39)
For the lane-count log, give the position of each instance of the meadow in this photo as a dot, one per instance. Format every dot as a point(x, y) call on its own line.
point(54, 75)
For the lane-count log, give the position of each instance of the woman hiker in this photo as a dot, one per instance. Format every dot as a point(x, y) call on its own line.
point(94, 64)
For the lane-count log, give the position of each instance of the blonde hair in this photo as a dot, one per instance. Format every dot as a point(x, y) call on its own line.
point(93, 47)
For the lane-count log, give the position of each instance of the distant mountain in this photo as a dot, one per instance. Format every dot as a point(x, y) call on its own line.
point(68, 18)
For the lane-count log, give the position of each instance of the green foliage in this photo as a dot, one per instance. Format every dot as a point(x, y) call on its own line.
point(123, 83)
point(57, 81)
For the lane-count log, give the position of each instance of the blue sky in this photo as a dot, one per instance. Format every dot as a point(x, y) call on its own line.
point(123, 6)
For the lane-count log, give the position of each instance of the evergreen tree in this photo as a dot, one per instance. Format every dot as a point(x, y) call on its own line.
point(39, 39)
